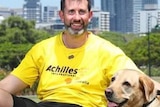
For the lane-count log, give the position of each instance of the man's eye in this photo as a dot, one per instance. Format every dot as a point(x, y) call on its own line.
point(71, 12)
point(82, 12)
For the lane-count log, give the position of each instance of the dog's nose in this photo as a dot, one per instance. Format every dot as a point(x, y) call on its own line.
point(109, 93)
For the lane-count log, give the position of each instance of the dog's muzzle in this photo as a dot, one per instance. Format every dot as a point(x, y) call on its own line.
point(109, 95)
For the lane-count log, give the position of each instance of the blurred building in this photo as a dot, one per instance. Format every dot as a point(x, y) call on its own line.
point(123, 13)
point(92, 3)
point(150, 4)
point(49, 13)
point(32, 10)
point(100, 20)
point(1, 19)
point(5, 12)
point(109, 6)
point(147, 20)
point(17, 12)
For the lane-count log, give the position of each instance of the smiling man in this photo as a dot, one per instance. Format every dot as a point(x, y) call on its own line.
point(74, 67)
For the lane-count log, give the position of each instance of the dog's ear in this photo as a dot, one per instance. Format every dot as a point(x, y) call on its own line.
point(147, 87)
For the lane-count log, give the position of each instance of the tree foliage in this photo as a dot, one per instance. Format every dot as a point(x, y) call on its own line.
point(116, 38)
point(17, 31)
point(138, 50)
point(17, 36)
point(12, 54)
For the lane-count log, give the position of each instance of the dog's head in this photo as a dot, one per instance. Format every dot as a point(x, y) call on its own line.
point(130, 88)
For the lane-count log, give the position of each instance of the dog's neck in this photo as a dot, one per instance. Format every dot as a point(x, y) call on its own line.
point(148, 103)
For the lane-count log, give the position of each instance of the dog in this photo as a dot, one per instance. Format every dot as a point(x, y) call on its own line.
point(131, 88)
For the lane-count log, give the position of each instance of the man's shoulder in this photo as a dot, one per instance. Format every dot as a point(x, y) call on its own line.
point(101, 41)
point(104, 45)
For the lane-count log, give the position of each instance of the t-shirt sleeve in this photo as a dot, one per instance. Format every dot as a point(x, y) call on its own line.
point(27, 70)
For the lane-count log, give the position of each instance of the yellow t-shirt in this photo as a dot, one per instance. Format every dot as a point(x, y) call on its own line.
point(79, 76)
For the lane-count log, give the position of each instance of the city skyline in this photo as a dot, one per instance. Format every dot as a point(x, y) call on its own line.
point(122, 16)
point(19, 3)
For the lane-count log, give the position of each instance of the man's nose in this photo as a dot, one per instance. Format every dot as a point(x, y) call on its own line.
point(77, 16)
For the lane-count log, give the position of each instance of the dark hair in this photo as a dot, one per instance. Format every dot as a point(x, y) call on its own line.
point(63, 5)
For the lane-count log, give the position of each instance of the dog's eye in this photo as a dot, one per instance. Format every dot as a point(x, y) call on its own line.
point(126, 83)
point(112, 79)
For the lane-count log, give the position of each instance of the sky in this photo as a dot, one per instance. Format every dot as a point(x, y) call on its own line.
point(19, 3)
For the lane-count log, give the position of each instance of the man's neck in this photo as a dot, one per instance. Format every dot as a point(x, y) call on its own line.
point(73, 41)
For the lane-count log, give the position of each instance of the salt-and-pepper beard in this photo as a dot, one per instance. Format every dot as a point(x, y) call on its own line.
point(76, 32)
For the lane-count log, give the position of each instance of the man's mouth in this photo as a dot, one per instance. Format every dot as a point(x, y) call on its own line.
point(76, 26)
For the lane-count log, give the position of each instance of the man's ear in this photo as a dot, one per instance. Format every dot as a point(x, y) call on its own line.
point(90, 15)
point(61, 15)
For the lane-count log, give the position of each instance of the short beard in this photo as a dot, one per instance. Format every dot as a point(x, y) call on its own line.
point(75, 32)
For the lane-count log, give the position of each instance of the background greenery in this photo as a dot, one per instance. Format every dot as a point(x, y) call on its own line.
point(17, 36)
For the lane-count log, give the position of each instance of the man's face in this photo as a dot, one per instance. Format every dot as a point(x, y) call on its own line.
point(76, 16)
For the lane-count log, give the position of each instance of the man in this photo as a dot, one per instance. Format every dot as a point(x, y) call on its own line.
point(74, 67)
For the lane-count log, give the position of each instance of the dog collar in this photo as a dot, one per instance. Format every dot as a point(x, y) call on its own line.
point(158, 92)
point(148, 103)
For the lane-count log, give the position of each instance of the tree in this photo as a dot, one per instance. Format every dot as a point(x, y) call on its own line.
point(138, 50)
point(156, 29)
point(116, 38)
point(17, 36)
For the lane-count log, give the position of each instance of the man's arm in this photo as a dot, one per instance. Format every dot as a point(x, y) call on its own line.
point(12, 84)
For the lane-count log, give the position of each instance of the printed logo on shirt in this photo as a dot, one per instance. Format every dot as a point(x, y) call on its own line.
point(67, 71)
point(68, 80)
point(70, 56)
point(64, 70)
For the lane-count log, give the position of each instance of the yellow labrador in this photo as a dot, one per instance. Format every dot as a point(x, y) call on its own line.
point(130, 88)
